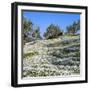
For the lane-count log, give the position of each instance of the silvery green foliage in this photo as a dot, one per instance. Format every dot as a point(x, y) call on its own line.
point(52, 57)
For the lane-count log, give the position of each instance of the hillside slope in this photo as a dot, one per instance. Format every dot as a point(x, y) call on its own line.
point(53, 57)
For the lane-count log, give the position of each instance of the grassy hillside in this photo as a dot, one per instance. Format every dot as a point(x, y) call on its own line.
point(52, 57)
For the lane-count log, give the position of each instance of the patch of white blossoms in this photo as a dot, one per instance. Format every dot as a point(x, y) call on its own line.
point(53, 57)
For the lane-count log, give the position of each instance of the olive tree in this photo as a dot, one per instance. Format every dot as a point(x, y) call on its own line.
point(52, 31)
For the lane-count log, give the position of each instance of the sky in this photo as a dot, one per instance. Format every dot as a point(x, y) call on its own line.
point(44, 19)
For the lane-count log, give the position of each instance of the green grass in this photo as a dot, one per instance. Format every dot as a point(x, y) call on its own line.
point(77, 54)
point(30, 54)
point(71, 36)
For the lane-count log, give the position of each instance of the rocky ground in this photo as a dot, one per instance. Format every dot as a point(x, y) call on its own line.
point(53, 57)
